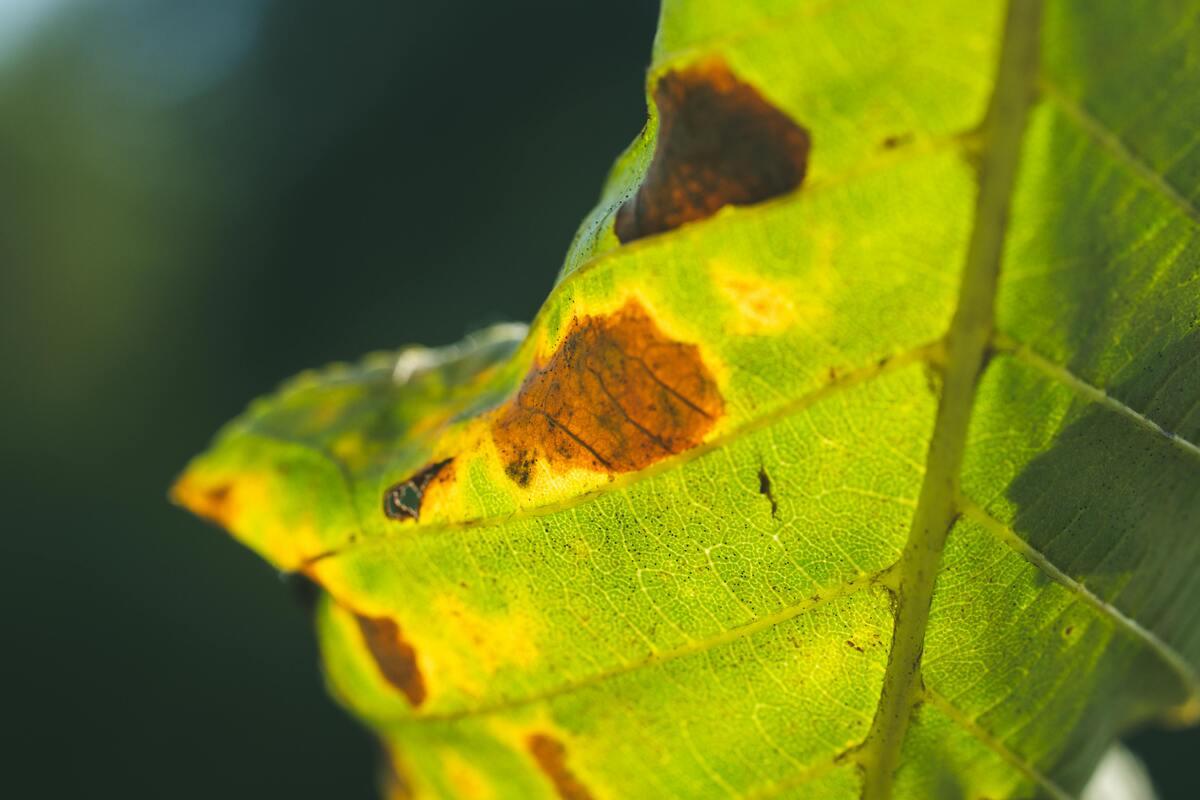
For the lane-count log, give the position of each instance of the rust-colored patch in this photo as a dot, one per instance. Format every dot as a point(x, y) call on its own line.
point(551, 758)
point(403, 500)
point(719, 143)
point(396, 658)
point(214, 503)
point(616, 396)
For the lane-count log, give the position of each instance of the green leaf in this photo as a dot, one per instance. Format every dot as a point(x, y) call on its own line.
point(854, 453)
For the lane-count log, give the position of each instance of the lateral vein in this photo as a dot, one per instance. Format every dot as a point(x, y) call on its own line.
point(916, 355)
point(823, 597)
point(1064, 376)
point(1187, 675)
point(1117, 148)
point(988, 740)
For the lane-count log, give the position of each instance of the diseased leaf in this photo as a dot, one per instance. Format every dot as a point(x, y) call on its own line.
point(854, 453)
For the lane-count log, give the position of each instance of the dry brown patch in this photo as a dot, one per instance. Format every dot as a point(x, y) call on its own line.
point(551, 757)
point(616, 396)
point(719, 143)
point(397, 659)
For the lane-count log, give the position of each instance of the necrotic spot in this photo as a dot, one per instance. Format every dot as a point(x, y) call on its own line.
point(403, 500)
point(551, 758)
point(396, 658)
point(719, 143)
point(616, 396)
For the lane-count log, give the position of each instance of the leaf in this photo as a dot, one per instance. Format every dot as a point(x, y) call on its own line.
point(854, 453)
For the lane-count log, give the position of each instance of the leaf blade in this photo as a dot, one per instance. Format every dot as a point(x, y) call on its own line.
point(822, 313)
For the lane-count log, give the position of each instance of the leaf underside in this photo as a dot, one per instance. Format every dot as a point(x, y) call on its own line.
point(853, 455)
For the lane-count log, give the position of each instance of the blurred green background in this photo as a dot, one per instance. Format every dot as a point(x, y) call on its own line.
point(197, 200)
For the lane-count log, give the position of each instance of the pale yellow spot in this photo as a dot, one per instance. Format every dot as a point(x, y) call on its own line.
point(581, 549)
point(350, 449)
point(468, 647)
point(468, 782)
point(761, 306)
point(1184, 716)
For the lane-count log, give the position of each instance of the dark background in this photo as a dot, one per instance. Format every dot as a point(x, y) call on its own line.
point(197, 200)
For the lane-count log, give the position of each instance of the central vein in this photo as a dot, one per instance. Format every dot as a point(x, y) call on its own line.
point(965, 353)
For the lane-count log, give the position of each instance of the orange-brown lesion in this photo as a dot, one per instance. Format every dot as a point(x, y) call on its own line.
point(616, 396)
point(394, 655)
point(551, 757)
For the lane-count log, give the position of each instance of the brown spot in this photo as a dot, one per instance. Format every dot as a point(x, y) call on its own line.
point(403, 500)
point(616, 396)
point(896, 140)
point(719, 143)
point(551, 758)
point(850, 643)
point(396, 658)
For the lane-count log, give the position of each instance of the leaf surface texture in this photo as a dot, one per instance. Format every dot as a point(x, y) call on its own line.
point(861, 461)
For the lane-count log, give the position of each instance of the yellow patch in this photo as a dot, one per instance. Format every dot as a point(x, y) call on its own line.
point(766, 306)
point(580, 548)
point(482, 643)
point(453, 495)
point(244, 504)
point(1183, 716)
point(351, 450)
point(214, 500)
point(468, 782)
point(760, 306)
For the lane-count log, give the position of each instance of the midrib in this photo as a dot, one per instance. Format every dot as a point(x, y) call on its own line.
point(964, 355)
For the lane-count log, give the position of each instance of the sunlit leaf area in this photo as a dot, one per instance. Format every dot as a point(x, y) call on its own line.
point(733, 400)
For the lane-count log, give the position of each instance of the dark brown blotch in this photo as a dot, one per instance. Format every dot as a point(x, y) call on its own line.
point(396, 658)
point(519, 467)
point(616, 396)
point(719, 143)
point(551, 757)
point(403, 500)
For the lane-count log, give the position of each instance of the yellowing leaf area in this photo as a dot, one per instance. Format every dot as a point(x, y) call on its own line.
point(854, 453)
